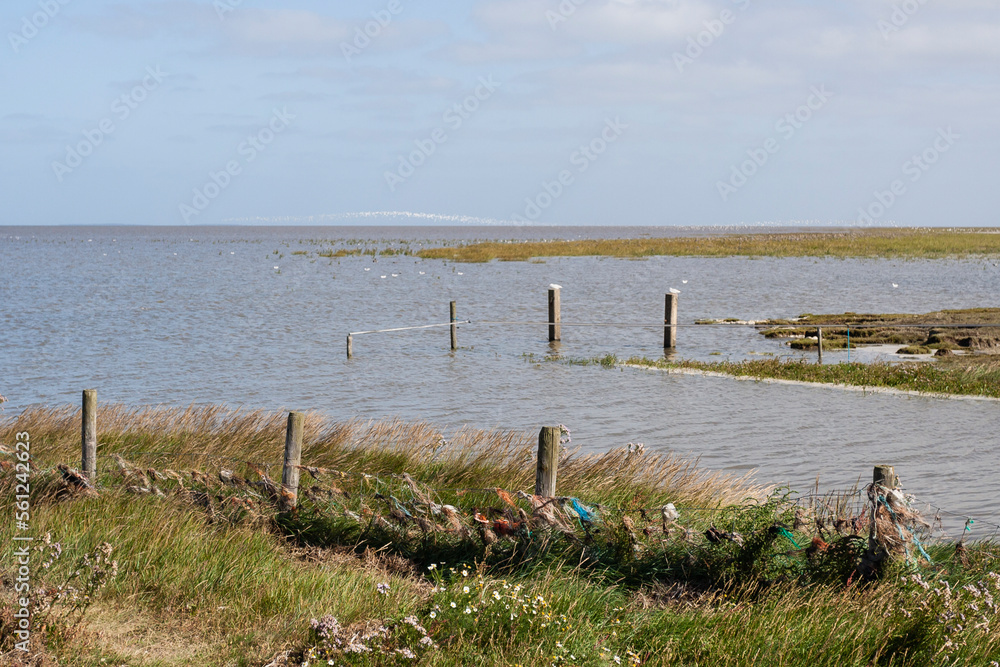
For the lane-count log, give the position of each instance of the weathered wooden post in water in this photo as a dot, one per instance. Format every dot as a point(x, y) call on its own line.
point(293, 458)
point(350, 346)
point(88, 433)
point(885, 476)
point(670, 321)
point(454, 327)
point(555, 330)
point(548, 461)
point(819, 342)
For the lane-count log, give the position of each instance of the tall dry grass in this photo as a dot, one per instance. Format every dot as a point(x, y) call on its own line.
point(206, 438)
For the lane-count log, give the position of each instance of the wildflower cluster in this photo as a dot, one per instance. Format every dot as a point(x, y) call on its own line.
point(468, 601)
point(59, 609)
point(386, 643)
point(960, 613)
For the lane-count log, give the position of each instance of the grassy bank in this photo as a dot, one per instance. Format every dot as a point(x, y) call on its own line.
point(869, 243)
point(208, 573)
point(963, 376)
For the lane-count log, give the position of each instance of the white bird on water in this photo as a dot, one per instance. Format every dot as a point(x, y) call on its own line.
point(368, 268)
point(685, 282)
point(894, 286)
point(674, 290)
point(554, 286)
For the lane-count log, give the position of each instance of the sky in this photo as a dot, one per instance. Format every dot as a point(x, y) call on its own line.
point(570, 112)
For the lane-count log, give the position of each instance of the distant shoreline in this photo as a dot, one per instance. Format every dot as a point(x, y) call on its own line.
point(914, 243)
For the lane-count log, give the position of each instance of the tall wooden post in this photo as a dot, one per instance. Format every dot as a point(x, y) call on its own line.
point(885, 476)
point(88, 433)
point(819, 342)
point(548, 461)
point(555, 330)
point(454, 327)
point(293, 458)
point(670, 322)
point(350, 346)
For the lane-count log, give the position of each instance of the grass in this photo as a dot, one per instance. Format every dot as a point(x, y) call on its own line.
point(960, 376)
point(213, 436)
point(869, 243)
point(202, 580)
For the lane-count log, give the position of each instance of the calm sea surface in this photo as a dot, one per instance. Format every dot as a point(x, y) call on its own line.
point(181, 316)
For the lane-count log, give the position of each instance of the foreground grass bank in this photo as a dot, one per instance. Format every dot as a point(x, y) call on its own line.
point(208, 573)
point(963, 376)
point(873, 243)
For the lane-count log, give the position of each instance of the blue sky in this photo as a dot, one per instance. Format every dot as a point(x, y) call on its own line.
point(610, 112)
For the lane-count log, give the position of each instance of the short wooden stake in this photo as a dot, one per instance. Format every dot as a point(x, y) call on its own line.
point(819, 342)
point(350, 346)
point(293, 458)
point(670, 322)
point(548, 461)
point(454, 327)
point(89, 433)
point(555, 318)
point(885, 476)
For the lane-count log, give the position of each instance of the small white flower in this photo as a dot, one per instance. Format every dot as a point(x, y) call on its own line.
point(465, 589)
point(433, 614)
point(453, 605)
point(468, 611)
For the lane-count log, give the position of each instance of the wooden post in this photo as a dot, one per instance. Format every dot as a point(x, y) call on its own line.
point(350, 346)
point(88, 433)
point(548, 461)
point(670, 322)
point(819, 342)
point(555, 330)
point(293, 457)
point(454, 327)
point(885, 476)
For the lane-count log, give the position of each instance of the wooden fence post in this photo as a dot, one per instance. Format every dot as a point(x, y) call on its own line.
point(88, 433)
point(885, 476)
point(670, 322)
point(293, 458)
point(555, 317)
point(819, 342)
point(350, 346)
point(454, 327)
point(548, 461)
